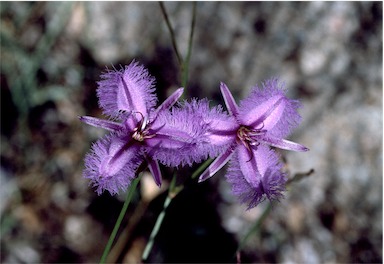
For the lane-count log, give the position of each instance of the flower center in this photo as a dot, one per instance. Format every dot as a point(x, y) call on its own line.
point(243, 134)
point(139, 135)
point(248, 136)
point(141, 132)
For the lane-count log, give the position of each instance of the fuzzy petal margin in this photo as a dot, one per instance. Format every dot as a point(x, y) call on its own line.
point(268, 108)
point(129, 90)
point(263, 177)
point(184, 135)
point(219, 128)
point(110, 165)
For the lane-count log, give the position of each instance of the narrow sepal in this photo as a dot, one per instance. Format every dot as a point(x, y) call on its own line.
point(216, 165)
point(283, 144)
point(169, 102)
point(96, 122)
point(155, 170)
point(229, 100)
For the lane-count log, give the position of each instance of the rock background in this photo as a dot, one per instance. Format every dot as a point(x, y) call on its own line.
point(329, 54)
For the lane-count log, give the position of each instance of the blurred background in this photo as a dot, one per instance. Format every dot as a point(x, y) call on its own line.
point(328, 54)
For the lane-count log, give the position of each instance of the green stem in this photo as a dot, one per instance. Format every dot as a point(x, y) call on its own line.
point(256, 226)
point(173, 38)
point(185, 65)
point(184, 68)
point(156, 228)
point(131, 191)
point(172, 192)
point(201, 168)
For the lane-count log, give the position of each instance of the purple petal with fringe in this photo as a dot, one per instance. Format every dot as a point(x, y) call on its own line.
point(111, 164)
point(128, 90)
point(255, 180)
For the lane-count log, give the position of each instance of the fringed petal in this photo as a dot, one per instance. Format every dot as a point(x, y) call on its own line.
point(111, 164)
point(266, 115)
point(269, 109)
point(128, 90)
point(254, 180)
point(183, 135)
point(248, 164)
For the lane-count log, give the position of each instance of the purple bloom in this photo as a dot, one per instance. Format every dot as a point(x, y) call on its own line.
point(196, 119)
point(262, 120)
point(139, 131)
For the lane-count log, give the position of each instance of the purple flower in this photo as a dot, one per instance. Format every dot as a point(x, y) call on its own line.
point(138, 130)
point(262, 120)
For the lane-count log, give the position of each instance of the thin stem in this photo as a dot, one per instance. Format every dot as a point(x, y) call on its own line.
point(299, 176)
point(201, 168)
point(173, 38)
point(131, 191)
point(184, 68)
point(256, 226)
point(156, 229)
point(173, 191)
point(185, 65)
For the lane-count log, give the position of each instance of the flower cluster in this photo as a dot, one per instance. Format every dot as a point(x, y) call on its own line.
point(181, 133)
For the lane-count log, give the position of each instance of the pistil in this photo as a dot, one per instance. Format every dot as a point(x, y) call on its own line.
point(248, 137)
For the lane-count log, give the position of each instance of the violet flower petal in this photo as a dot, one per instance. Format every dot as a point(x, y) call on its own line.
point(168, 141)
point(266, 114)
point(222, 131)
point(178, 137)
point(250, 164)
point(131, 89)
point(135, 90)
point(269, 109)
point(119, 153)
point(110, 165)
point(263, 178)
